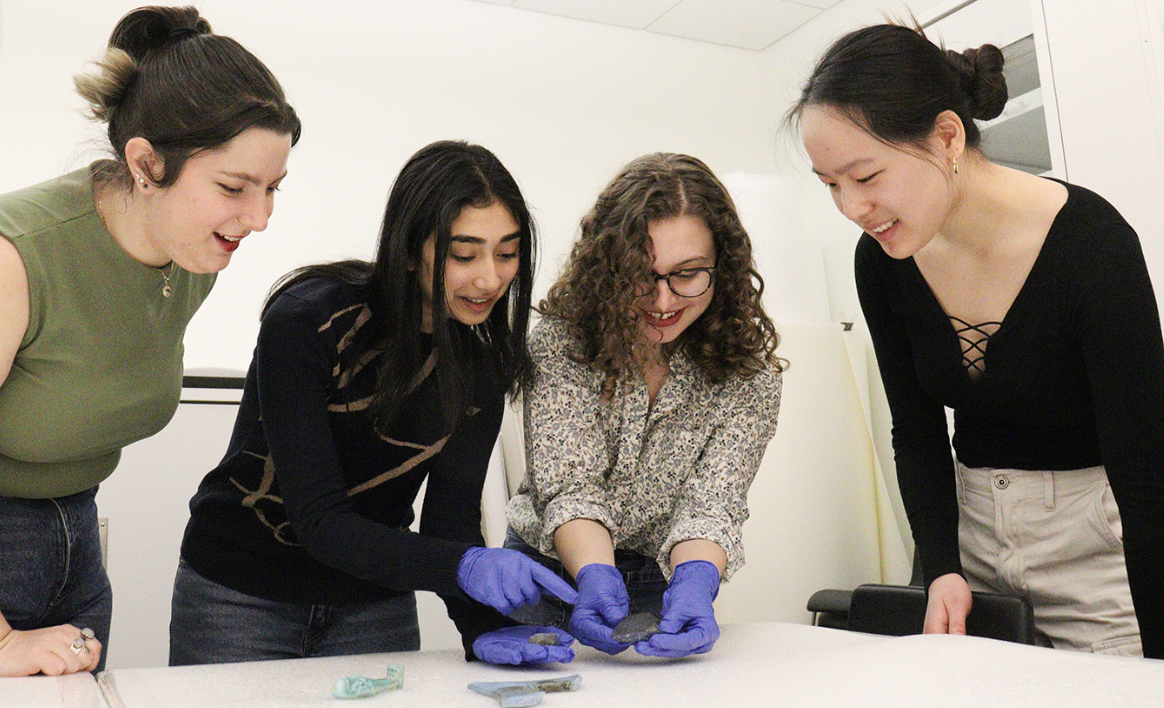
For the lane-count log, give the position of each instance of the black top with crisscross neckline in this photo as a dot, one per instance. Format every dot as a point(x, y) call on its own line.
point(974, 338)
point(1075, 379)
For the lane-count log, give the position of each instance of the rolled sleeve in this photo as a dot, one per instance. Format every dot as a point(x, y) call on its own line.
point(712, 504)
point(565, 452)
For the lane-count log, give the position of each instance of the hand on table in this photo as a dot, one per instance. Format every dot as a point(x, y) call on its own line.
point(511, 645)
point(602, 603)
point(948, 605)
point(688, 625)
point(506, 579)
point(50, 651)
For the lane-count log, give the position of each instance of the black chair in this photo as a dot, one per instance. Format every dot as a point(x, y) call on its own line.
point(898, 610)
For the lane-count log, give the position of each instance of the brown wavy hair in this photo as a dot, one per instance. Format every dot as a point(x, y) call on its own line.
point(596, 293)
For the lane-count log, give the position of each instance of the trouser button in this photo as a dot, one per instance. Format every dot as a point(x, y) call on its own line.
point(1001, 482)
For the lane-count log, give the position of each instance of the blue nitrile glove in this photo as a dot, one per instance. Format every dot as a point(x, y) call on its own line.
point(688, 618)
point(506, 579)
point(602, 603)
point(511, 645)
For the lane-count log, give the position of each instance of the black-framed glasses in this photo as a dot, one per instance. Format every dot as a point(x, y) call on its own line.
point(689, 282)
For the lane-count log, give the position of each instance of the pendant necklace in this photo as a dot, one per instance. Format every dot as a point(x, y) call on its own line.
point(167, 291)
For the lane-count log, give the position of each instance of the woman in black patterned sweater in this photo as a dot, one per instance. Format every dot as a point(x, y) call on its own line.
point(369, 379)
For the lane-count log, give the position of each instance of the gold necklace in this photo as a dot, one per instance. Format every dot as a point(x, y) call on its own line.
point(167, 291)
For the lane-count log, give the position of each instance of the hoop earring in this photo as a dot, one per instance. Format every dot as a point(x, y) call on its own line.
point(954, 161)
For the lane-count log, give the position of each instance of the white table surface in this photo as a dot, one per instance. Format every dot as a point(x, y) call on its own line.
point(758, 664)
point(74, 691)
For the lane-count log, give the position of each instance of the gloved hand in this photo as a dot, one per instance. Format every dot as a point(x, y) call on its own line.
point(511, 645)
point(602, 603)
point(506, 579)
point(688, 618)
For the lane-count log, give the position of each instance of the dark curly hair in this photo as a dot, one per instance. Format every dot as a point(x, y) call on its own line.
point(596, 292)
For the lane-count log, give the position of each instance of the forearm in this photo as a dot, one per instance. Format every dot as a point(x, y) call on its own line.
point(699, 549)
point(580, 542)
point(5, 631)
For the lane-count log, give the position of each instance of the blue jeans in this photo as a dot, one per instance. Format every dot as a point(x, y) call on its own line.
point(644, 580)
point(50, 565)
point(212, 624)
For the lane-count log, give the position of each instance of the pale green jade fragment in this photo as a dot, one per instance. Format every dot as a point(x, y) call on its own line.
point(521, 694)
point(362, 686)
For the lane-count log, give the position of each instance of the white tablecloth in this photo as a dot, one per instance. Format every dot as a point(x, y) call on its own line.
point(757, 664)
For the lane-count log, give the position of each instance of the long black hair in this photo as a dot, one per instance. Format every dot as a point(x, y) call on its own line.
point(431, 191)
point(892, 82)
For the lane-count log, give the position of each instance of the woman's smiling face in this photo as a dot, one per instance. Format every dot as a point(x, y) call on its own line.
point(676, 244)
point(897, 195)
point(483, 259)
point(220, 197)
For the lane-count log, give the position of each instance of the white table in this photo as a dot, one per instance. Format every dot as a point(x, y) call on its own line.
point(773, 664)
point(74, 691)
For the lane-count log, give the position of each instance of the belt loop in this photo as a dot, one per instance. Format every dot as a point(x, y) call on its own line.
point(1048, 490)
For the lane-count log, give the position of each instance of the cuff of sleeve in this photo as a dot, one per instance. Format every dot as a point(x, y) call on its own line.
point(936, 563)
point(435, 563)
point(709, 530)
point(559, 511)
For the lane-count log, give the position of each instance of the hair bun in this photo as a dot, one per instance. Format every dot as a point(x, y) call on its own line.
point(980, 75)
point(147, 29)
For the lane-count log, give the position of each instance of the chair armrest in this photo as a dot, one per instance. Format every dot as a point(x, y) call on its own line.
point(830, 601)
point(900, 610)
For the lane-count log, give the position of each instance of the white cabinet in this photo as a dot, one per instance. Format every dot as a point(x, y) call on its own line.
point(1026, 135)
point(1099, 84)
point(146, 502)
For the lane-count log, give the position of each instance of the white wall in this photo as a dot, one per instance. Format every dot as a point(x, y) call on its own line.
point(563, 103)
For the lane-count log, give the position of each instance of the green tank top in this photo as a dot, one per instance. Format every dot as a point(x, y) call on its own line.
point(100, 365)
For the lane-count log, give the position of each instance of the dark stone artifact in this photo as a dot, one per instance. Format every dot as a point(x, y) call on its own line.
point(636, 628)
point(546, 639)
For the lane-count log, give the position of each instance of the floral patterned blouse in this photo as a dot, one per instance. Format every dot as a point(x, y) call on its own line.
point(652, 475)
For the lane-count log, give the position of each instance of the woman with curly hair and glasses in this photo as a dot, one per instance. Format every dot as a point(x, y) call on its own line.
point(655, 393)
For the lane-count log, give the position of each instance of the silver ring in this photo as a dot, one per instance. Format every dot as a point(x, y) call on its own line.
point(87, 634)
point(78, 644)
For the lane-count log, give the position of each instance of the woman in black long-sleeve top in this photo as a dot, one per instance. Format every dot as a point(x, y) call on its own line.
point(1024, 305)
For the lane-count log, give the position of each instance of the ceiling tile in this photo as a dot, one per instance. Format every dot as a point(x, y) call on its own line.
point(637, 14)
point(750, 24)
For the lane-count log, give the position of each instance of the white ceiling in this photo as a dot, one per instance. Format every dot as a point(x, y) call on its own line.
point(748, 24)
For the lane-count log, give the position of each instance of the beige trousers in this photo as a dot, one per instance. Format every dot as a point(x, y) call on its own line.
point(1056, 538)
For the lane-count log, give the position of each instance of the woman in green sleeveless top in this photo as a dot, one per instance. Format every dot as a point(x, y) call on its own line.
point(100, 271)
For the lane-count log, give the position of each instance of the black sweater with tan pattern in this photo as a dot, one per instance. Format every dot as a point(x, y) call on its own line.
point(310, 504)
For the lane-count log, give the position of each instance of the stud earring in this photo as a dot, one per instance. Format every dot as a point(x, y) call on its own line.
point(140, 180)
